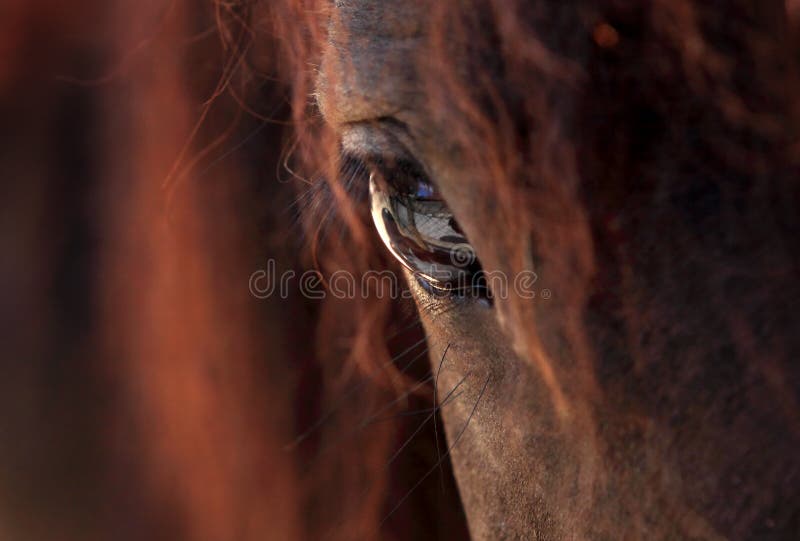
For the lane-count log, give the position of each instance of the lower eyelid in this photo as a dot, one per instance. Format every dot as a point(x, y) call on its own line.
point(435, 302)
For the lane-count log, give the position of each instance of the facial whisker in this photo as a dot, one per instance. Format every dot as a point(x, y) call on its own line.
point(328, 414)
point(387, 406)
point(435, 429)
point(450, 397)
point(439, 462)
point(413, 413)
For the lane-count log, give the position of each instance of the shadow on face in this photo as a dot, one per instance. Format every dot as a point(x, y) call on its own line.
point(638, 383)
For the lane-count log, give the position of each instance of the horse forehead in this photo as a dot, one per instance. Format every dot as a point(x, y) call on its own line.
point(368, 61)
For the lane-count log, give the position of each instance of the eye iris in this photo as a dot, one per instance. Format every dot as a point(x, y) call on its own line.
point(420, 231)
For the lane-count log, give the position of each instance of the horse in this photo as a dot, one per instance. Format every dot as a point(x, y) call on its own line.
point(639, 159)
point(591, 210)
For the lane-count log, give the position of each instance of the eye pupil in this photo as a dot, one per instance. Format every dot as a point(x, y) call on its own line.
point(420, 231)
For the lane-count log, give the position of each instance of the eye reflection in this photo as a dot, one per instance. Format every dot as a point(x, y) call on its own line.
point(418, 228)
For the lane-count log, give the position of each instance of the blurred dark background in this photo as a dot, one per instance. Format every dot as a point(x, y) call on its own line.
point(145, 393)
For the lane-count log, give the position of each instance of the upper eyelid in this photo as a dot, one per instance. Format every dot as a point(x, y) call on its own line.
point(390, 166)
point(380, 142)
point(386, 122)
point(393, 171)
point(380, 135)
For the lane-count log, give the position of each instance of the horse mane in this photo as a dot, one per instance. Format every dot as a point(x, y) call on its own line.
point(164, 397)
point(612, 136)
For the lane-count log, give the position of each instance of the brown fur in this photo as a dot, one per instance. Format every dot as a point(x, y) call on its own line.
point(651, 182)
point(641, 157)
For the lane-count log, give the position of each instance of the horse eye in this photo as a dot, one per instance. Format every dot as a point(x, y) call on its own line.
point(418, 228)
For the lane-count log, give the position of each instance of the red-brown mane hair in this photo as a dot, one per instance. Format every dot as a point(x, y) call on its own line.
point(155, 398)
